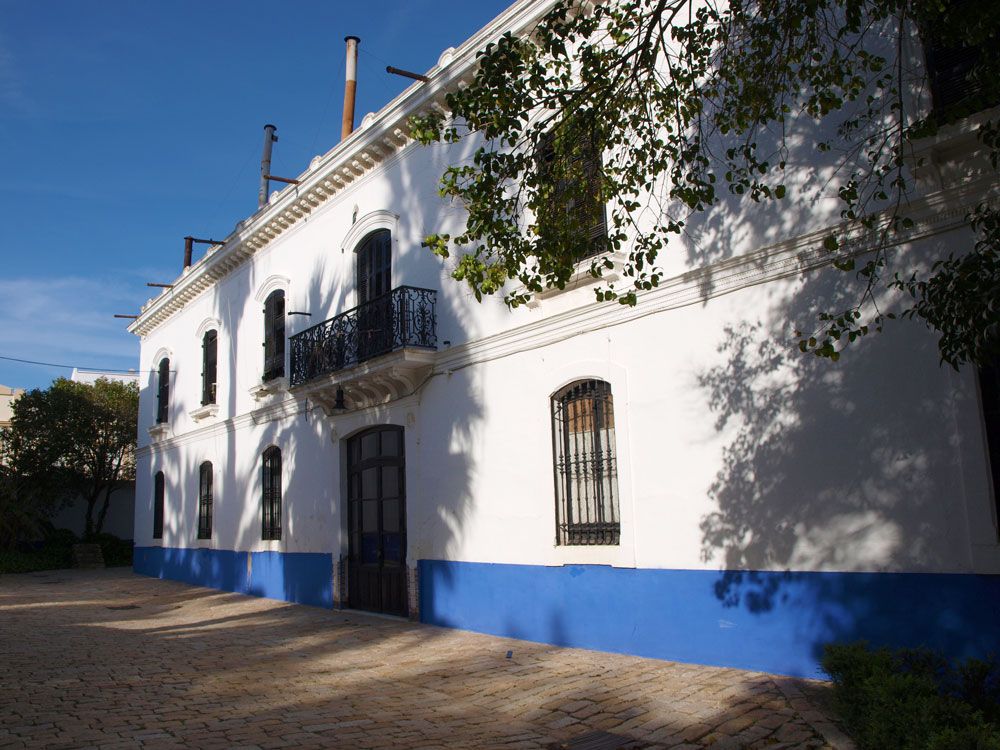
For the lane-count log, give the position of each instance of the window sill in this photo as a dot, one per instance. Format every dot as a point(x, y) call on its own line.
point(159, 431)
point(269, 388)
point(204, 412)
point(581, 278)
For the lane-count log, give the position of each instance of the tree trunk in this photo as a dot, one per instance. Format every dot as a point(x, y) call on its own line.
point(88, 528)
point(104, 507)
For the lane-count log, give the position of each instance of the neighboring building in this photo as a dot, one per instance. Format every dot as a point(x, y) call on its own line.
point(327, 418)
point(92, 376)
point(7, 397)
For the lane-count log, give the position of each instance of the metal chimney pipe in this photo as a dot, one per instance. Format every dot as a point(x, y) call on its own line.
point(265, 164)
point(350, 86)
point(188, 246)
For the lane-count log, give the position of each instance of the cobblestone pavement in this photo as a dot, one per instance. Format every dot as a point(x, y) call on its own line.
point(113, 660)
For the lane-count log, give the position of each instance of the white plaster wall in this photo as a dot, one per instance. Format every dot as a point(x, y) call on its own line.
point(734, 451)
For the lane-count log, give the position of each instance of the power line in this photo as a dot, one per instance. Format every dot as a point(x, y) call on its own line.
point(69, 367)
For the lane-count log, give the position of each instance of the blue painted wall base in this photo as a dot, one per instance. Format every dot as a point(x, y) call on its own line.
point(300, 577)
point(771, 622)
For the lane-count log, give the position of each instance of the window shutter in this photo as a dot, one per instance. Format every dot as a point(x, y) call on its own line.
point(210, 354)
point(163, 391)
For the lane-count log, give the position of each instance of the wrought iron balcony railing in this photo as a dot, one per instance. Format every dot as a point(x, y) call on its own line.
point(402, 318)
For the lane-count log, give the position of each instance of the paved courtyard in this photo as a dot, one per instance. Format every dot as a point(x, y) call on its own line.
point(110, 659)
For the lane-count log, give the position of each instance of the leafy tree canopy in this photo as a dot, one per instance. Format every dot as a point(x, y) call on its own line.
point(690, 103)
point(70, 440)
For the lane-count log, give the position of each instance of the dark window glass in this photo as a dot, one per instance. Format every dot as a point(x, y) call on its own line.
point(163, 391)
point(586, 470)
point(274, 335)
point(989, 386)
point(205, 501)
point(158, 497)
point(209, 366)
point(374, 266)
point(271, 494)
point(573, 219)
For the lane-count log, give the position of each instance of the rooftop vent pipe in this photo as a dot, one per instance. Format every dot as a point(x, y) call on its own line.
point(265, 164)
point(350, 86)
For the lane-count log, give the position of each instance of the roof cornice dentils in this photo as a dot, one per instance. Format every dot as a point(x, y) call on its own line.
point(376, 139)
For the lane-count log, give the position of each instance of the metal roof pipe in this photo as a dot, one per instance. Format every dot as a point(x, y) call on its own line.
point(188, 247)
point(265, 164)
point(350, 86)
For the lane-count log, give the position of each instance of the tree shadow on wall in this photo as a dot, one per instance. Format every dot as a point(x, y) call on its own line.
point(838, 467)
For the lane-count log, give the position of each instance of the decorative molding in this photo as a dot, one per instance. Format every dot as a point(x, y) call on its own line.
point(159, 431)
point(269, 388)
point(272, 283)
point(288, 408)
point(208, 324)
point(204, 412)
point(365, 225)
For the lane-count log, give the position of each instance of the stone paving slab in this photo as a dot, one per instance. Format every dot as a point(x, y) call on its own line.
point(109, 659)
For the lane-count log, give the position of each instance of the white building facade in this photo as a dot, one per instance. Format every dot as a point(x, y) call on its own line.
point(328, 418)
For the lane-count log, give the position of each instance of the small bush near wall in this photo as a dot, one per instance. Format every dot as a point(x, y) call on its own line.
point(53, 552)
point(117, 552)
point(914, 699)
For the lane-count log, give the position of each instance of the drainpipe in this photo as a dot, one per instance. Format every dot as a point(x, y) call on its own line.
point(350, 86)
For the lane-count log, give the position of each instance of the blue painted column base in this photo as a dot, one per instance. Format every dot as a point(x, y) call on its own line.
point(765, 621)
point(300, 577)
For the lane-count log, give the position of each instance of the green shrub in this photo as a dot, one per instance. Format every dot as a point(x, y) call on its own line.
point(117, 552)
point(914, 699)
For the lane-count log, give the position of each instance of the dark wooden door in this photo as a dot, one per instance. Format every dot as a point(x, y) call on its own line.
point(375, 307)
point(376, 519)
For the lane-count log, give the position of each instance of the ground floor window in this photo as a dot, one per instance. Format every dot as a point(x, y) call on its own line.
point(271, 494)
point(205, 501)
point(158, 493)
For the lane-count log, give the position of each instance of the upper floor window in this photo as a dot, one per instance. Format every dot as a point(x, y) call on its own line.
point(159, 490)
point(274, 335)
point(586, 470)
point(209, 366)
point(205, 501)
point(271, 494)
point(572, 215)
point(163, 391)
point(374, 266)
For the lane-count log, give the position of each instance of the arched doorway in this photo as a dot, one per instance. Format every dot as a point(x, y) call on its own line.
point(376, 521)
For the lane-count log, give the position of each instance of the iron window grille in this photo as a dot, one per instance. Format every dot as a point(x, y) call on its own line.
point(163, 391)
point(274, 335)
point(271, 494)
point(586, 469)
point(209, 366)
point(205, 501)
point(569, 161)
point(158, 498)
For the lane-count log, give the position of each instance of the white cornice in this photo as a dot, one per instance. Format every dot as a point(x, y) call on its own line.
point(377, 138)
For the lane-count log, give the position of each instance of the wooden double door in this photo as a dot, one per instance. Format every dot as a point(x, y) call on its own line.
point(376, 519)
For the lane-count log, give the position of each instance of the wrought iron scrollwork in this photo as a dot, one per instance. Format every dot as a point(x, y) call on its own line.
point(404, 317)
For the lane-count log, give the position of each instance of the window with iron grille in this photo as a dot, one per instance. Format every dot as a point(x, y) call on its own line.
point(572, 216)
point(158, 497)
point(209, 366)
point(274, 335)
point(586, 469)
point(271, 494)
point(205, 501)
point(162, 391)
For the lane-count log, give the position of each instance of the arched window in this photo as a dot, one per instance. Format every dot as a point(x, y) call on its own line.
point(163, 391)
point(158, 493)
point(205, 501)
point(209, 366)
point(271, 494)
point(274, 335)
point(586, 470)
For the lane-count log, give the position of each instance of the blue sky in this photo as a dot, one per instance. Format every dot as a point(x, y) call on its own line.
point(127, 125)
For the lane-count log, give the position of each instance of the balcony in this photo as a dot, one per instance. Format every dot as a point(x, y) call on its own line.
point(373, 353)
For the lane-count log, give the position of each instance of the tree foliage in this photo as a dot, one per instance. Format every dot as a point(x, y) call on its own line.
point(69, 440)
point(691, 103)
